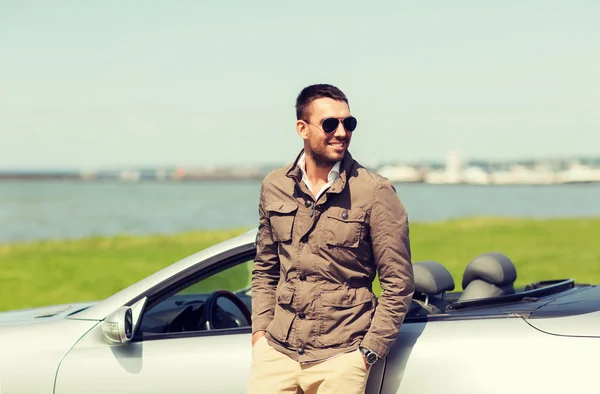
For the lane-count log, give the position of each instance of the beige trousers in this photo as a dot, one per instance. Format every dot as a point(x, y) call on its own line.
point(274, 372)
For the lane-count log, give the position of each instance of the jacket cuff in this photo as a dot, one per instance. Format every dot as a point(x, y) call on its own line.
point(374, 345)
point(260, 325)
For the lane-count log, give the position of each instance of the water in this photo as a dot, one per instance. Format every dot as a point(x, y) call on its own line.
point(31, 210)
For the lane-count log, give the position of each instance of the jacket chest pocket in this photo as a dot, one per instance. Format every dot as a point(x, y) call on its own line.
point(281, 218)
point(344, 227)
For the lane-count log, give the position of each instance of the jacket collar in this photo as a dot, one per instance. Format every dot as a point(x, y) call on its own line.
point(346, 165)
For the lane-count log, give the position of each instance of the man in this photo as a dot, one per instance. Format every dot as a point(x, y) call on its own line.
point(327, 227)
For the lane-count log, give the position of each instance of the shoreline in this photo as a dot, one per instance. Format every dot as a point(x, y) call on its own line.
point(479, 218)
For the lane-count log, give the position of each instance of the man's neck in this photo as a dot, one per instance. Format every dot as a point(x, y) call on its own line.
point(317, 170)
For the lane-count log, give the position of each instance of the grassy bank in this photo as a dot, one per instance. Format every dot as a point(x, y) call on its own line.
point(50, 272)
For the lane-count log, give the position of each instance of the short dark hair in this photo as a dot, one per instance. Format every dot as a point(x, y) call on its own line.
point(313, 92)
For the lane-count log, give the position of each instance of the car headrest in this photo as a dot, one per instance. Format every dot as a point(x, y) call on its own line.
point(432, 278)
point(493, 267)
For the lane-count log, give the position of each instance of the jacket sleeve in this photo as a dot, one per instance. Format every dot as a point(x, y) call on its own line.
point(265, 274)
point(392, 256)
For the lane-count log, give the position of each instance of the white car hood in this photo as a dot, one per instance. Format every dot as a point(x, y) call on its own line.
point(41, 314)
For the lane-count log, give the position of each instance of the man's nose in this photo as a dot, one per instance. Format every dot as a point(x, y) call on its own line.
point(340, 131)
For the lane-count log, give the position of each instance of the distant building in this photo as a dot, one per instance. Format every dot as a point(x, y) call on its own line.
point(579, 173)
point(401, 173)
point(452, 173)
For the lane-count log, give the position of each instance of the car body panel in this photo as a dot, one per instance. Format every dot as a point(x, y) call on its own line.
point(41, 314)
point(201, 364)
point(489, 356)
point(575, 314)
point(31, 353)
point(587, 325)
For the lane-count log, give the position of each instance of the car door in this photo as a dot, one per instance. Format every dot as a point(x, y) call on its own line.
point(172, 351)
point(204, 364)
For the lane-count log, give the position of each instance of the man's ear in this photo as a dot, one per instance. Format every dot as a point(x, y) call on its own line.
point(302, 129)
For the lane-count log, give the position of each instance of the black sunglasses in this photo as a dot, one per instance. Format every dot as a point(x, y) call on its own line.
point(329, 125)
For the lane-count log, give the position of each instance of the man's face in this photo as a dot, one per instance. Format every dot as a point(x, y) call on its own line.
point(325, 147)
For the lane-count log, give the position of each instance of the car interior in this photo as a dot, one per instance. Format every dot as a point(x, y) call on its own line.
point(488, 275)
point(488, 279)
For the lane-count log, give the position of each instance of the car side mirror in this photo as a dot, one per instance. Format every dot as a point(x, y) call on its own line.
point(118, 326)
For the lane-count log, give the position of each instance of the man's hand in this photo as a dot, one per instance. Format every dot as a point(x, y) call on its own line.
point(257, 335)
point(367, 366)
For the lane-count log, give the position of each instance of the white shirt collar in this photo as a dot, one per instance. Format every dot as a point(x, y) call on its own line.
point(333, 175)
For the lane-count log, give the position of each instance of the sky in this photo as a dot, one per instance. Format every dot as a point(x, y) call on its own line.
point(87, 85)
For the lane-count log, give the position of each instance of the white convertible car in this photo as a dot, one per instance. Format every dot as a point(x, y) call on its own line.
point(186, 329)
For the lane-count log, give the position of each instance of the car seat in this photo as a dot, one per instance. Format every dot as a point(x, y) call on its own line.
point(432, 280)
point(488, 275)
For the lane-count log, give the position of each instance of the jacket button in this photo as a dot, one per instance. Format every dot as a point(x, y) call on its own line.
point(302, 277)
point(301, 315)
point(345, 215)
point(300, 351)
point(307, 203)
